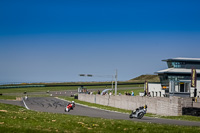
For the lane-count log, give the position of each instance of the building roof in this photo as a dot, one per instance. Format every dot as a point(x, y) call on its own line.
point(177, 71)
point(183, 59)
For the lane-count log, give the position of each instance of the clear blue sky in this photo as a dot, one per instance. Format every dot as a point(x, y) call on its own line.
point(48, 40)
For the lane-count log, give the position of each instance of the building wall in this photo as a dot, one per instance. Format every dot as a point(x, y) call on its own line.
point(176, 88)
point(198, 88)
point(157, 105)
point(155, 90)
point(191, 92)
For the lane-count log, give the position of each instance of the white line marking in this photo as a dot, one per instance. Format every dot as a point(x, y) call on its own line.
point(25, 104)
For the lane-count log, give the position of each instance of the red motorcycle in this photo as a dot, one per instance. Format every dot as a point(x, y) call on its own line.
point(70, 106)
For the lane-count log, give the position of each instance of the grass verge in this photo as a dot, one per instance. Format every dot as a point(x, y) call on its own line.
point(13, 97)
point(122, 91)
point(8, 97)
point(18, 119)
point(36, 89)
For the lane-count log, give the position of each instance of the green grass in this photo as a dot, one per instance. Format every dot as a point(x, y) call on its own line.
point(13, 97)
point(36, 89)
point(185, 117)
point(58, 88)
point(8, 97)
point(78, 83)
point(136, 91)
point(18, 119)
point(149, 78)
point(122, 91)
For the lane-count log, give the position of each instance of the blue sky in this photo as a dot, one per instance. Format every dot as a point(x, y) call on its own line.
point(55, 41)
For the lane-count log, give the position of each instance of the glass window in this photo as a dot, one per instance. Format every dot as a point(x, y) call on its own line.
point(187, 87)
point(176, 64)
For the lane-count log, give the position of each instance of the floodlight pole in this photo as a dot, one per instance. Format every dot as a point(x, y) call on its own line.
point(90, 75)
point(116, 83)
point(112, 82)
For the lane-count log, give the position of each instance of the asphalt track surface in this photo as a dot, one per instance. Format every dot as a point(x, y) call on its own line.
point(54, 105)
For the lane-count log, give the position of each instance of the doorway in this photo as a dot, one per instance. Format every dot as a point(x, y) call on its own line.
point(182, 87)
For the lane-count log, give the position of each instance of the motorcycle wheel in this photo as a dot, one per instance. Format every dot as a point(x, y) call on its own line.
point(67, 110)
point(140, 115)
point(131, 116)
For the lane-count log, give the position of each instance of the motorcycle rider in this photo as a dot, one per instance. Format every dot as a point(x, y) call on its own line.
point(139, 112)
point(70, 106)
point(73, 104)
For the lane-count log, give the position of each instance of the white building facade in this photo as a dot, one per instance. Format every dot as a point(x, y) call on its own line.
point(176, 80)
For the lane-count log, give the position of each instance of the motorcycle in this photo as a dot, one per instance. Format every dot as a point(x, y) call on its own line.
point(70, 106)
point(139, 112)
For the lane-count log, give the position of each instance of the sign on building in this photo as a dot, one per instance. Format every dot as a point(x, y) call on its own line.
point(194, 81)
point(146, 87)
point(194, 78)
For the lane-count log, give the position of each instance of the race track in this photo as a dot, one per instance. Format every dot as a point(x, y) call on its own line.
point(54, 105)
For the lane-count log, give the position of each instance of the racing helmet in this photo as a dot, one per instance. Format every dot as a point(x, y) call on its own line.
point(72, 101)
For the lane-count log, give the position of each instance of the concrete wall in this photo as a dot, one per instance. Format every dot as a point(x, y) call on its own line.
point(197, 103)
point(157, 105)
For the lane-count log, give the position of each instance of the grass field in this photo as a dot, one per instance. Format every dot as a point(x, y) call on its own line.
point(123, 90)
point(19, 120)
point(36, 89)
point(8, 97)
point(58, 88)
point(136, 91)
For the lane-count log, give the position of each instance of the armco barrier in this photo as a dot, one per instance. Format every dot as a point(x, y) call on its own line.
point(171, 106)
point(20, 86)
